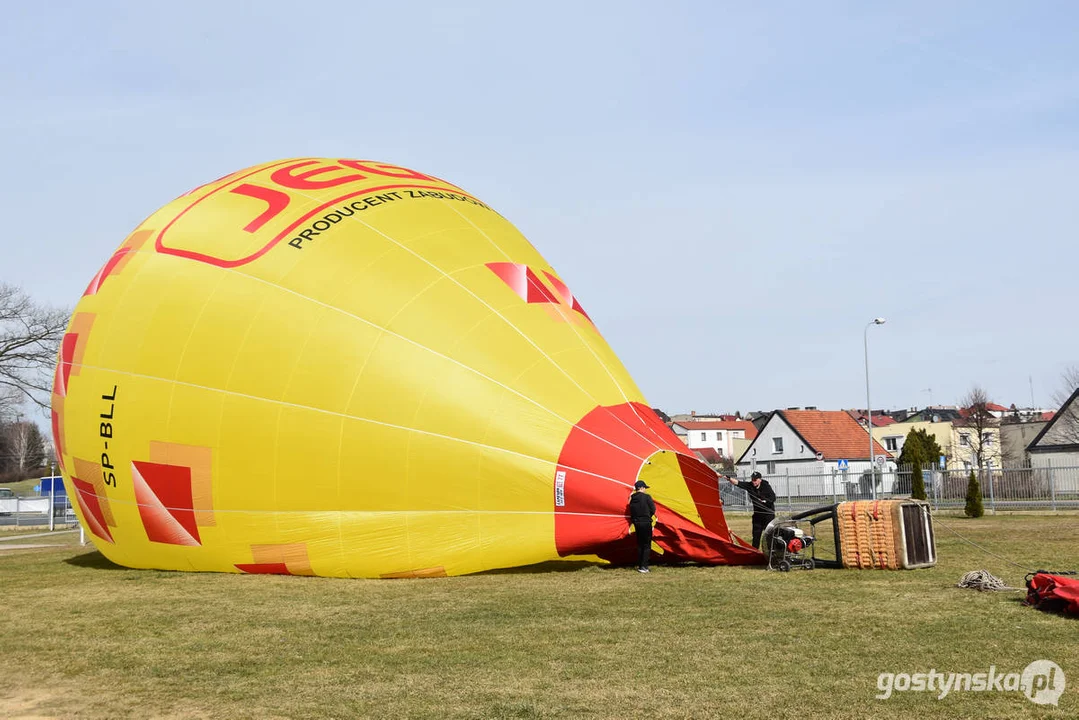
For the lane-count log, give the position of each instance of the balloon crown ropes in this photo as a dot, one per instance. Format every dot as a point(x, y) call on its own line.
point(349, 368)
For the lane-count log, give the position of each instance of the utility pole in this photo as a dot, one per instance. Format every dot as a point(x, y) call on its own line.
point(868, 406)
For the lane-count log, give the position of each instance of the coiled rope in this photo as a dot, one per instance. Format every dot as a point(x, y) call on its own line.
point(983, 580)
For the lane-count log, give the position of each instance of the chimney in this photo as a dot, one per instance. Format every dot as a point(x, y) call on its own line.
point(693, 413)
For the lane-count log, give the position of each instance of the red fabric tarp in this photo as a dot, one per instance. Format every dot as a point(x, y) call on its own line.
point(1056, 593)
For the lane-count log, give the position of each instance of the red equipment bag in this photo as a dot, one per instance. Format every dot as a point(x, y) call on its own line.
point(1054, 593)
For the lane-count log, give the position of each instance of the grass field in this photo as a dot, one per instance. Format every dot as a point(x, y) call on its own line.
point(84, 638)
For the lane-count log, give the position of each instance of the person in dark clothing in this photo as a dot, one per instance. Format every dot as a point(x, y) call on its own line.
point(641, 509)
point(764, 503)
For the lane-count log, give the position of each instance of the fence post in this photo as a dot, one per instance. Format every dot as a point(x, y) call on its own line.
point(17, 499)
point(790, 507)
point(992, 501)
point(937, 479)
point(834, 501)
point(931, 472)
point(52, 504)
point(1052, 486)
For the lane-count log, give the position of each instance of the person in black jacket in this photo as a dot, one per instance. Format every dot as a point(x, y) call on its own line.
point(764, 503)
point(641, 509)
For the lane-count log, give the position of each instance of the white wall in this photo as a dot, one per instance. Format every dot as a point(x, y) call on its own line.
point(710, 440)
point(732, 436)
point(1056, 459)
point(793, 447)
point(881, 435)
point(24, 505)
point(724, 443)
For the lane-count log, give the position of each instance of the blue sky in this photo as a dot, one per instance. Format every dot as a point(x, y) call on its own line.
point(732, 189)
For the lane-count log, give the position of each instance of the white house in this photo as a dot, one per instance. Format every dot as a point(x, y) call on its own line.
point(1058, 442)
point(723, 436)
point(813, 442)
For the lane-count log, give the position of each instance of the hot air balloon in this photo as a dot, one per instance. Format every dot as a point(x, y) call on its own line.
point(347, 368)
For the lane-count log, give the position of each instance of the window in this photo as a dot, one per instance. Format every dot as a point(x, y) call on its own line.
point(704, 436)
point(987, 439)
point(770, 468)
point(777, 445)
point(738, 434)
point(719, 435)
point(964, 439)
point(891, 444)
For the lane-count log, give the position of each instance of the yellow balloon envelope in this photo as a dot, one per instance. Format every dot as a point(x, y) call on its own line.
point(348, 368)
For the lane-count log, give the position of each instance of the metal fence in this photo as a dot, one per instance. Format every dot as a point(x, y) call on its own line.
point(36, 511)
point(1044, 488)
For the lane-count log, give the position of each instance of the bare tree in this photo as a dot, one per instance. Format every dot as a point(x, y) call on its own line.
point(1011, 454)
point(10, 403)
point(1070, 378)
point(1066, 427)
point(24, 446)
point(978, 429)
point(30, 335)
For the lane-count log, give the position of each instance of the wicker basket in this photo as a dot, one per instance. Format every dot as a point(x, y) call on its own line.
point(885, 534)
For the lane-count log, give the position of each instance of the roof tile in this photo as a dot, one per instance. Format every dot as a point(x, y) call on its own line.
point(834, 433)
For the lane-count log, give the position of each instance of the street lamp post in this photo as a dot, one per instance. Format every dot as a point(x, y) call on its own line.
point(868, 406)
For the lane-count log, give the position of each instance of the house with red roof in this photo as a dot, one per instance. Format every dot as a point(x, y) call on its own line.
point(812, 442)
point(727, 437)
point(879, 418)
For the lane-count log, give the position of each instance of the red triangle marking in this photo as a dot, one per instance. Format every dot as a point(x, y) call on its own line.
point(578, 308)
point(564, 292)
point(264, 568)
point(537, 291)
point(67, 357)
point(106, 270)
point(57, 436)
point(163, 493)
point(560, 288)
point(91, 509)
point(513, 274)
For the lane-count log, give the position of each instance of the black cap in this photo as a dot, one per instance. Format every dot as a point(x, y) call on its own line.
point(640, 484)
point(754, 476)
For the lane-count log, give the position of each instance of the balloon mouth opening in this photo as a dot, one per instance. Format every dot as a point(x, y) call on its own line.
point(605, 454)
